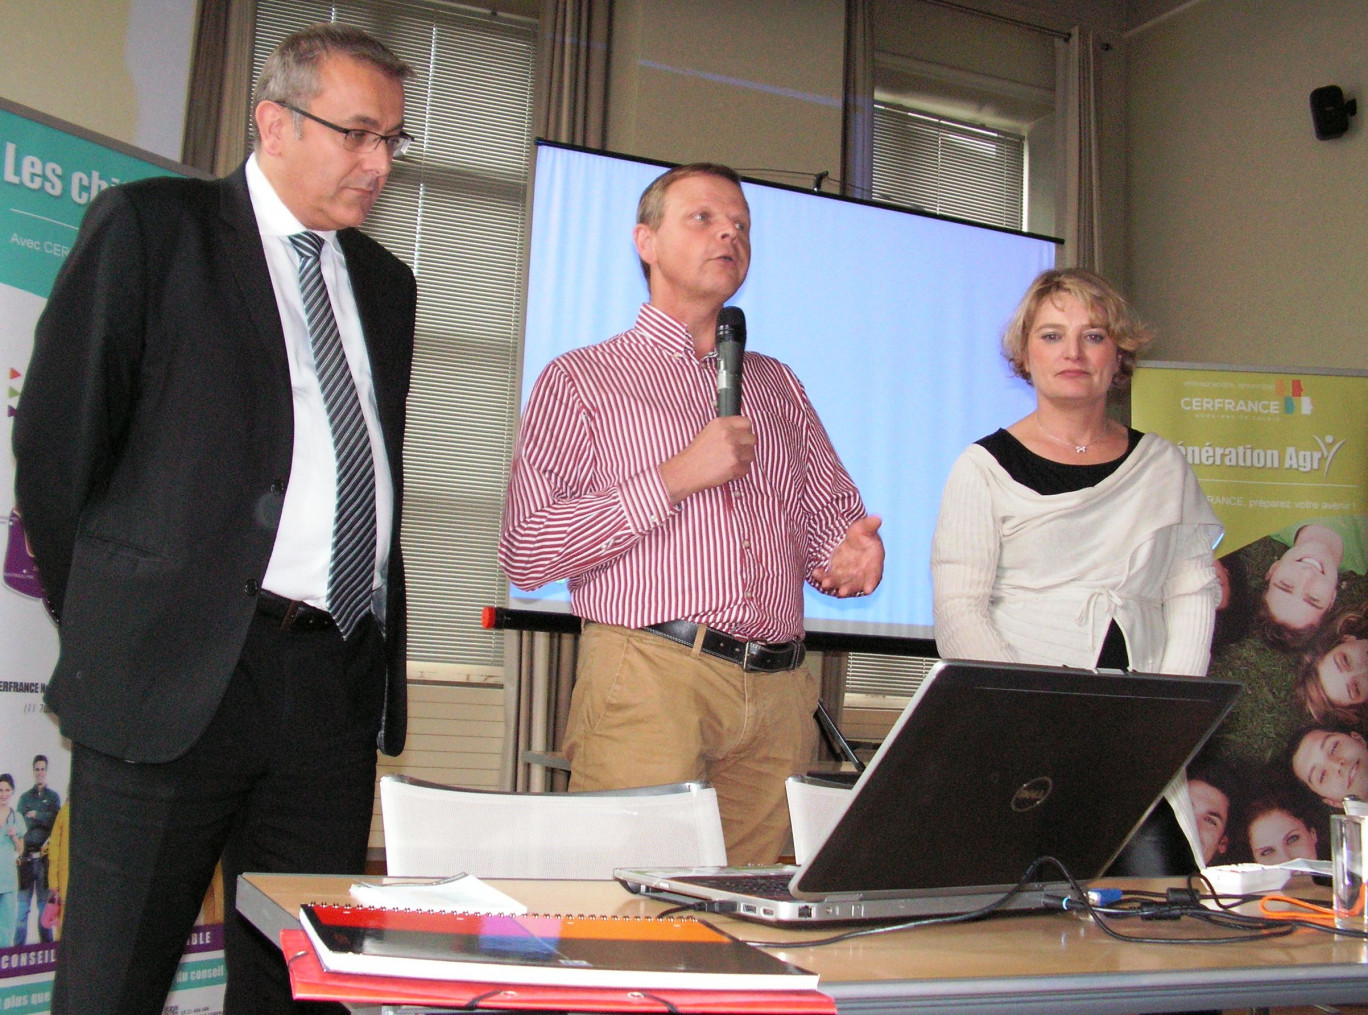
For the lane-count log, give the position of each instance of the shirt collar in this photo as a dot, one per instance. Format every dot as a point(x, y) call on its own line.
point(662, 330)
point(273, 218)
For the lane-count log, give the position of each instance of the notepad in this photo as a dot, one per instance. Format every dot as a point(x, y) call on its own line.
point(462, 893)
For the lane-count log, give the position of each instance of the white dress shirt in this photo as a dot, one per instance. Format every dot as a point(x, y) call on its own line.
point(303, 547)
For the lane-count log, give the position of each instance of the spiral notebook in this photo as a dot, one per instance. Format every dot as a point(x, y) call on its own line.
point(989, 767)
point(634, 953)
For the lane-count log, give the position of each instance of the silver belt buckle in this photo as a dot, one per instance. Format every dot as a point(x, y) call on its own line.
point(752, 649)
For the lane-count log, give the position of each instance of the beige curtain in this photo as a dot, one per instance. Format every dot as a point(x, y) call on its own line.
point(857, 142)
point(1078, 102)
point(539, 672)
point(857, 180)
point(217, 112)
point(572, 54)
point(539, 668)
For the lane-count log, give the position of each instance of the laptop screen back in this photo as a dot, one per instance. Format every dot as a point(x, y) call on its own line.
point(993, 766)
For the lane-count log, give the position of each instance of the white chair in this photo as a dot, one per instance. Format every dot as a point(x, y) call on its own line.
point(433, 830)
point(814, 807)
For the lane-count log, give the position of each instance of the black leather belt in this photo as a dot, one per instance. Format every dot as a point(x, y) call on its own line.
point(293, 614)
point(761, 656)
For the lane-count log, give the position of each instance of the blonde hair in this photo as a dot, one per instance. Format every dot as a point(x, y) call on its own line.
point(1104, 305)
point(1307, 688)
point(651, 206)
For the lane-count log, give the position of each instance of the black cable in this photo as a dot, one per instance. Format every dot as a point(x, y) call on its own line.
point(1260, 927)
point(1173, 904)
point(668, 1006)
point(688, 907)
point(1217, 897)
point(816, 178)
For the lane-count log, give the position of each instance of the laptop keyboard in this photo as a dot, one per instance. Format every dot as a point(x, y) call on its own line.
point(763, 886)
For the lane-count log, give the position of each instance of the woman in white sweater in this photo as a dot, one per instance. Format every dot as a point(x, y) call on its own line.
point(1068, 539)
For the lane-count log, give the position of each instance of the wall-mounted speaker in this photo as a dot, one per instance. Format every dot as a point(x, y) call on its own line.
point(1330, 112)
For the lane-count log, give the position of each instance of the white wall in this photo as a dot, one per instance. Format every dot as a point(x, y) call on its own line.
point(755, 84)
point(117, 67)
point(1247, 235)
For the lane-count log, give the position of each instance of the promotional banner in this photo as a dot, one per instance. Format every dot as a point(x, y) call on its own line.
point(49, 172)
point(1283, 458)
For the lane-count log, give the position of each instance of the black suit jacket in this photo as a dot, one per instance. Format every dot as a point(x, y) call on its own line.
point(153, 446)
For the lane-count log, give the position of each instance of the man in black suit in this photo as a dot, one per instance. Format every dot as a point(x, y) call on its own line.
point(209, 471)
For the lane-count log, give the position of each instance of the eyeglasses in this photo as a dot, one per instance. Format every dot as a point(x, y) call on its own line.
point(354, 139)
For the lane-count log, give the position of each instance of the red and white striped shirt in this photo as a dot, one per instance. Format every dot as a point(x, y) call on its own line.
point(586, 501)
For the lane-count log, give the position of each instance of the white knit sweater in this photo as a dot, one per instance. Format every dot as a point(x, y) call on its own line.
point(1021, 576)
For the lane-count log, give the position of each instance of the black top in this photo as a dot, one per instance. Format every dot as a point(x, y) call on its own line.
point(1047, 478)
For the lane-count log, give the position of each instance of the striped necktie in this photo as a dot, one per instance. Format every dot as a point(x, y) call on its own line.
point(352, 567)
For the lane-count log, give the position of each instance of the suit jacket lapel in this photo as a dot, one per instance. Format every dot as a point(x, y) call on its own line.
point(241, 239)
point(377, 321)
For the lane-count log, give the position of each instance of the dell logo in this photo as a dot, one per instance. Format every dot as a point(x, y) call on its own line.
point(1032, 794)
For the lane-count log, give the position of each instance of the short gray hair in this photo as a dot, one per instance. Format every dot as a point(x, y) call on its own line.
point(290, 74)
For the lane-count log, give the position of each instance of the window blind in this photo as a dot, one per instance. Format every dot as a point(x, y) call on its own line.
point(950, 168)
point(454, 209)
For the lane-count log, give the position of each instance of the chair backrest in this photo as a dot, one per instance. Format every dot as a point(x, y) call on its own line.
point(441, 830)
point(814, 807)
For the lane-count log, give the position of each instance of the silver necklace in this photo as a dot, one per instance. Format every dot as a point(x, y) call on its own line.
point(1081, 449)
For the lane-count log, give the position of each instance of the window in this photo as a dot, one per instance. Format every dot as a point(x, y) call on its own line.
point(455, 210)
point(949, 168)
point(968, 172)
point(880, 676)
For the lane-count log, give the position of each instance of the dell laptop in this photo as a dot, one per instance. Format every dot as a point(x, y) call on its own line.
point(990, 767)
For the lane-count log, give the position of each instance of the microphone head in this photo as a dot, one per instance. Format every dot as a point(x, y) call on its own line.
point(731, 325)
point(731, 347)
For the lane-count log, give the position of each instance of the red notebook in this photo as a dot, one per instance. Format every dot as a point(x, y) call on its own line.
point(310, 982)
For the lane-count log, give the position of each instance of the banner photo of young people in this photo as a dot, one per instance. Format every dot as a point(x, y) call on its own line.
point(49, 172)
point(1282, 457)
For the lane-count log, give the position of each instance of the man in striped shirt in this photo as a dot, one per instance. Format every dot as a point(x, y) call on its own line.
point(686, 537)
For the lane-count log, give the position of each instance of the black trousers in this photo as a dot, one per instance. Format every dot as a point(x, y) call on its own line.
point(282, 780)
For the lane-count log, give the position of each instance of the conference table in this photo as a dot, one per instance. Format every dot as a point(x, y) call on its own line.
point(1045, 962)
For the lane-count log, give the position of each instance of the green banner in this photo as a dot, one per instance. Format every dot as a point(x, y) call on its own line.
point(47, 178)
point(194, 974)
point(27, 998)
point(1283, 458)
point(1268, 448)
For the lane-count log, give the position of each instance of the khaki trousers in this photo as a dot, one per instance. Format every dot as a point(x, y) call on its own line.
point(646, 711)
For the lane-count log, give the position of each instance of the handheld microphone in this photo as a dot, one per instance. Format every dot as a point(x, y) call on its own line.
point(731, 344)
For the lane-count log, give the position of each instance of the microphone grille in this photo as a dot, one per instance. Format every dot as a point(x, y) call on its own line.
point(733, 319)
